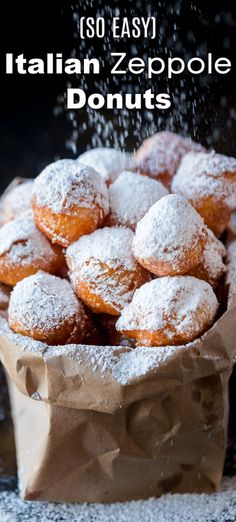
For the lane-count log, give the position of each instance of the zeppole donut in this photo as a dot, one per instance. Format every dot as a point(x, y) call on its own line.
point(108, 162)
point(159, 156)
point(69, 200)
point(170, 238)
point(169, 311)
point(208, 182)
point(103, 270)
point(44, 307)
point(212, 266)
point(24, 250)
point(17, 201)
point(131, 196)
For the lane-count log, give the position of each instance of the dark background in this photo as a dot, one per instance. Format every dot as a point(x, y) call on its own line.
point(31, 135)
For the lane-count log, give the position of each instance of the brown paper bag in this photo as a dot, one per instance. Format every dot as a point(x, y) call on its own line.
point(105, 424)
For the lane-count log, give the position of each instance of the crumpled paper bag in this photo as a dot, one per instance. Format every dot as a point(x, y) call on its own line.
point(106, 424)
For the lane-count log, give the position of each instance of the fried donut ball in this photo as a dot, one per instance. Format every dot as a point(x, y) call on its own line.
point(69, 200)
point(130, 198)
point(171, 237)
point(24, 250)
point(108, 162)
point(159, 156)
point(211, 267)
point(103, 270)
point(208, 182)
point(17, 201)
point(169, 311)
point(44, 307)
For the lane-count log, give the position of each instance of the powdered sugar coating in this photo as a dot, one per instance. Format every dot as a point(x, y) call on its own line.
point(159, 156)
point(212, 266)
point(131, 196)
point(43, 301)
point(107, 161)
point(110, 245)
point(17, 201)
point(168, 232)
point(176, 305)
point(213, 254)
point(66, 185)
point(104, 261)
point(207, 174)
point(23, 242)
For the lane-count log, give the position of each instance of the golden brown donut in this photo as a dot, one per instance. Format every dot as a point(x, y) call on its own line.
point(171, 237)
point(103, 271)
point(169, 311)
point(17, 201)
point(108, 162)
point(44, 307)
point(131, 196)
point(24, 250)
point(211, 267)
point(208, 182)
point(69, 200)
point(159, 156)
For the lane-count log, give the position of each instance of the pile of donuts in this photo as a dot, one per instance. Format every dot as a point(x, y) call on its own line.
point(119, 249)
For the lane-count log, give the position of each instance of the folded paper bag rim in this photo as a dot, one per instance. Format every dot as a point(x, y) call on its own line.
point(104, 378)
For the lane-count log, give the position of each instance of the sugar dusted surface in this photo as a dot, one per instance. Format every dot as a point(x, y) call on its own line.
point(163, 152)
point(107, 161)
point(169, 229)
point(98, 257)
point(110, 245)
point(213, 255)
point(23, 241)
point(206, 174)
point(43, 301)
point(131, 196)
point(66, 184)
point(18, 200)
point(184, 303)
point(216, 507)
